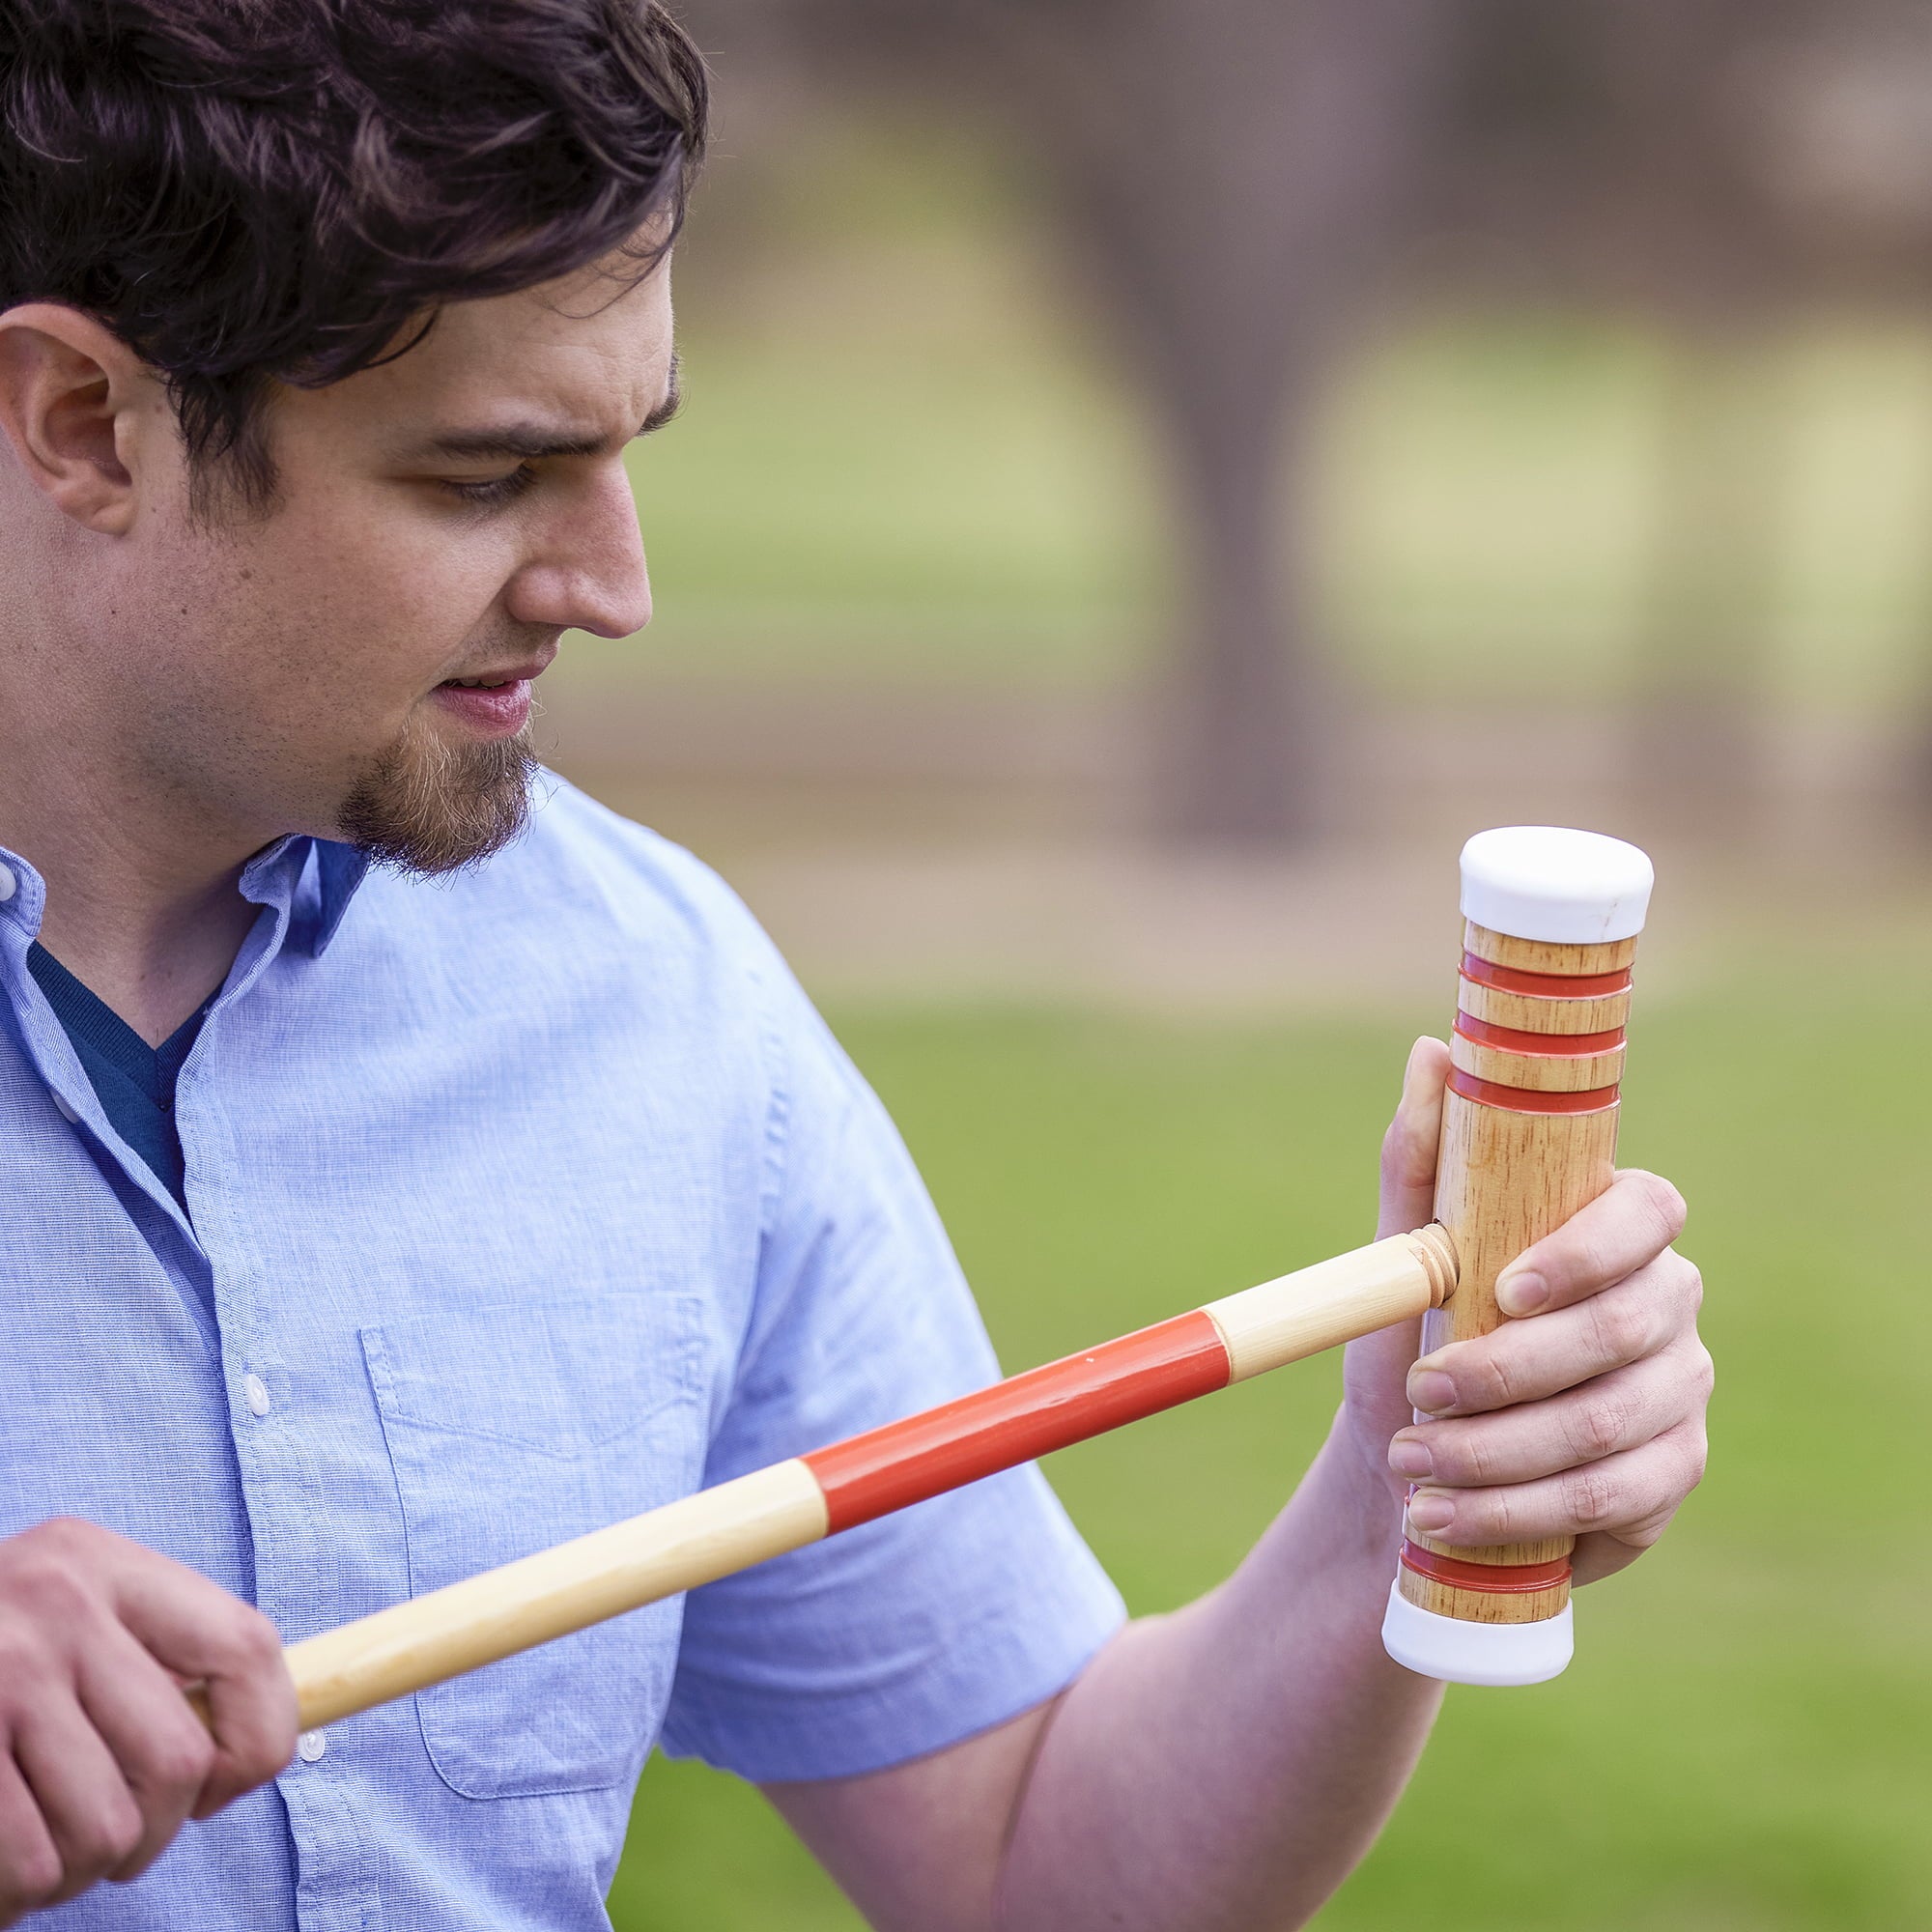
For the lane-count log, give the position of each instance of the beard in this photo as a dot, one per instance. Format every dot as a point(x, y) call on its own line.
point(428, 807)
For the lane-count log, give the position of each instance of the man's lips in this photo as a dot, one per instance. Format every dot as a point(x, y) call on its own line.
point(496, 702)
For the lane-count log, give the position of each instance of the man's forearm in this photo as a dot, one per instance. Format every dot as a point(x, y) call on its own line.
point(1227, 1766)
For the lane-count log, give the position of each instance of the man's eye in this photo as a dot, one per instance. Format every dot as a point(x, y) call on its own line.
point(495, 490)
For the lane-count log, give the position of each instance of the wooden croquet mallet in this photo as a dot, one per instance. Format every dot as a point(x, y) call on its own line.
point(1529, 1135)
point(1526, 1141)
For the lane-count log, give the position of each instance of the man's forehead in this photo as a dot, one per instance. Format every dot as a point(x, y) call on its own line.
point(566, 364)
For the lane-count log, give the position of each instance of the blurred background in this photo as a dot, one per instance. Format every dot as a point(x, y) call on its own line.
point(1156, 474)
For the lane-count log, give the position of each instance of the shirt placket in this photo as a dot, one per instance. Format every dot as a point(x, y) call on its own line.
point(335, 1889)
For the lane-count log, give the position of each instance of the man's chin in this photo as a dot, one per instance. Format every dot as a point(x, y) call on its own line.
point(435, 802)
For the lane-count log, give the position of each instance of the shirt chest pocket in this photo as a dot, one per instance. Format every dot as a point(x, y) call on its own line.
point(510, 1428)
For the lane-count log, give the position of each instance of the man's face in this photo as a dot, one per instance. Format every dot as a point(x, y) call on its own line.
point(442, 520)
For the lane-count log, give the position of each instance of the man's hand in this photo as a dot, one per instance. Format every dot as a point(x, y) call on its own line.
point(101, 1758)
point(1584, 1418)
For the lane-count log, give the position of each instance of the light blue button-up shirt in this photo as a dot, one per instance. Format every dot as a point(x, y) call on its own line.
point(518, 1203)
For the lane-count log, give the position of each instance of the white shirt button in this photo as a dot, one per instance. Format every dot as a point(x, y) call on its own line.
point(255, 1393)
point(66, 1113)
point(8, 884)
point(311, 1745)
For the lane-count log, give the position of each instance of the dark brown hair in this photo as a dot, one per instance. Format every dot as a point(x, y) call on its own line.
point(248, 190)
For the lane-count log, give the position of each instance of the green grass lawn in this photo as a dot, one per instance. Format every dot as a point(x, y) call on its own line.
point(1743, 1742)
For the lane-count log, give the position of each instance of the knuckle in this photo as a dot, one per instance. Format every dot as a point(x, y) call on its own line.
point(1489, 1516)
point(63, 1545)
point(57, 1532)
point(261, 1642)
point(1620, 1331)
point(1591, 1496)
point(47, 1579)
point(1665, 1203)
point(250, 1642)
point(1467, 1457)
point(1590, 1260)
point(35, 1872)
point(1690, 1283)
point(181, 1762)
point(258, 1767)
point(1489, 1377)
point(25, 1659)
point(1643, 1534)
point(44, 1583)
point(109, 1836)
point(1703, 1373)
point(1597, 1430)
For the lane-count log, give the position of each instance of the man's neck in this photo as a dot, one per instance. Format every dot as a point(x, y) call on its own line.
point(156, 970)
point(142, 867)
point(148, 921)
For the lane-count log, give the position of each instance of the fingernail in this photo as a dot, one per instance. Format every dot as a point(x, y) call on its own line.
point(1521, 1290)
point(1431, 1390)
point(1409, 1457)
point(1431, 1511)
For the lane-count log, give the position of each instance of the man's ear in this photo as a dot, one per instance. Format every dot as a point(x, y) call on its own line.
point(77, 405)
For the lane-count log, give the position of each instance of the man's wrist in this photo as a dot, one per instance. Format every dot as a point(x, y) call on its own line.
point(1355, 1506)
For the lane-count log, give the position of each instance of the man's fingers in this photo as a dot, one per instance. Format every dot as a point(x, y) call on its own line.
point(91, 1814)
point(1616, 1412)
point(1629, 1225)
point(30, 1862)
point(101, 1756)
point(1409, 1147)
point(163, 1749)
point(1630, 1495)
point(207, 1637)
point(1526, 1361)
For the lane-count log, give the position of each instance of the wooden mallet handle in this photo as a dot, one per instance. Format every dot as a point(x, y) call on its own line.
point(1529, 1135)
point(735, 1525)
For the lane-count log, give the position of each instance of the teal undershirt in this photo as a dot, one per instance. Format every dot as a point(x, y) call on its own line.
point(134, 1081)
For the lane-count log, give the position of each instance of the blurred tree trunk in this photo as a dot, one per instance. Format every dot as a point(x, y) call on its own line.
point(1703, 652)
point(1232, 176)
point(1247, 717)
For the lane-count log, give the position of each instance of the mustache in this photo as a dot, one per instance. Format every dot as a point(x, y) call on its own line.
point(531, 652)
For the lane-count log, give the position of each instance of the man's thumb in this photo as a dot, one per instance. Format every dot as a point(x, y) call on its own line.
point(1408, 1148)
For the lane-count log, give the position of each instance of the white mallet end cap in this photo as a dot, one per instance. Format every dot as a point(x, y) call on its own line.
point(1491, 1653)
point(1547, 882)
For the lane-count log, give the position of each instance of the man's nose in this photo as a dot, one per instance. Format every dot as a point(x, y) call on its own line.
point(589, 574)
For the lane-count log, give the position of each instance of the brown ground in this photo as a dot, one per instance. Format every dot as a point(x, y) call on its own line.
point(932, 844)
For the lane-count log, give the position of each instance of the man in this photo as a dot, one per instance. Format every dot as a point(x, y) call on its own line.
point(388, 1195)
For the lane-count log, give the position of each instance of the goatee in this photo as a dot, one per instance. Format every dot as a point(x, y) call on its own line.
point(428, 807)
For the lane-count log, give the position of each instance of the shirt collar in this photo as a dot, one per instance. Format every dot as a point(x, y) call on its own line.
point(308, 880)
point(23, 893)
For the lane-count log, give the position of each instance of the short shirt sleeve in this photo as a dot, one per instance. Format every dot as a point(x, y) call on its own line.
point(905, 1635)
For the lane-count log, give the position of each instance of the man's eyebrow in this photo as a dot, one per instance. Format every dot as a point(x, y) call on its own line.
point(532, 441)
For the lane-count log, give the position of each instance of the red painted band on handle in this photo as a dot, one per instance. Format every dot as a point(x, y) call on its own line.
point(1024, 1416)
point(1500, 1579)
point(1529, 1100)
point(1552, 1045)
point(1544, 985)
